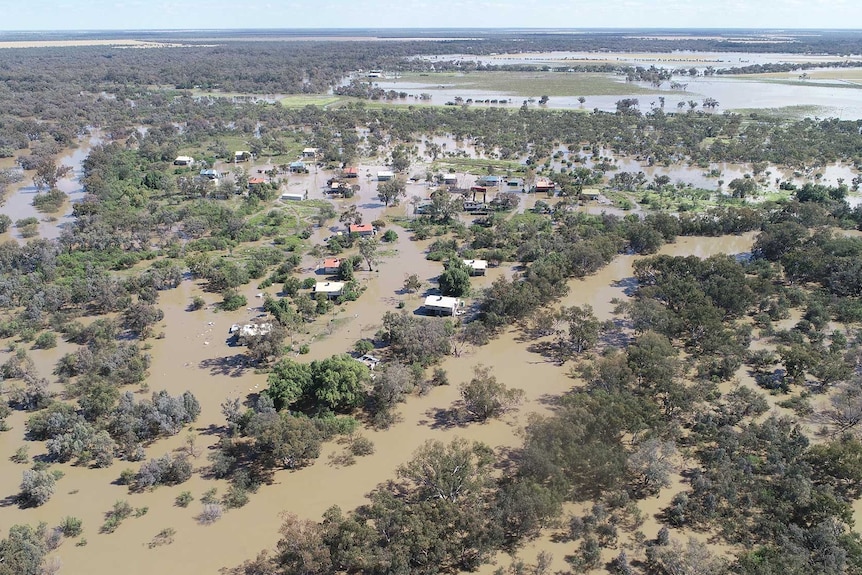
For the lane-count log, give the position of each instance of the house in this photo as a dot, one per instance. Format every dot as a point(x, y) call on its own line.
point(241, 156)
point(184, 161)
point(298, 167)
point(515, 185)
point(295, 196)
point(385, 176)
point(441, 305)
point(332, 290)
point(209, 174)
point(543, 185)
point(255, 181)
point(309, 152)
point(489, 181)
point(374, 74)
point(450, 179)
point(351, 172)
point(363, 230)
point(477, 267)
point(330, 265)
point(253, 329)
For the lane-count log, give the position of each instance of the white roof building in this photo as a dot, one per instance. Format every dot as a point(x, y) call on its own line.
point(253, 329)
point(331, 289)
point(184, 161)
point(442, 305)
point(477, 267)
point(385, 175)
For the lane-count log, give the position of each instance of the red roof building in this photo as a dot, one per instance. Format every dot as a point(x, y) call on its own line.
point(361, 229)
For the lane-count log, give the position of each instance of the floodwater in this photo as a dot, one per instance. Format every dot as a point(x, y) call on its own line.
point(732, 93)
point(19, 200)
point(194, 355)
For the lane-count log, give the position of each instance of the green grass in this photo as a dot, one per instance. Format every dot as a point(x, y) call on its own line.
point(796, 112)
point(530, 84)
point(807, 83)
point(477, 165)
point(303, 100)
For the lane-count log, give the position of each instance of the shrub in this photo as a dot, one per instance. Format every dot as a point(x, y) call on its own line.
point(37, 487)
point(390, 236)
point(165, 470)
point(183, 499)
point(71, 526)
point(20, 455)
point(211, 513)
point(209, 496)
point(232, 300)
point(46, 340)
point(235, 497)
point(361, 446)
point(197, 303)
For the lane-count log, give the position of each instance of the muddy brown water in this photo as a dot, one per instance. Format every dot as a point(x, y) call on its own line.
point(194, 355)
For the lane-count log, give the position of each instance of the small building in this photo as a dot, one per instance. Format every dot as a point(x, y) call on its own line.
point(514, 185)
point(543, 185)
point(363, 230)
point(309, 153)
point(294, 196)
point(590, 195)
point(351, 172)
point(184, 161)
point(442, 305)
point(450, 179)
point(330, 265)
point(209, 174)
point(298, 167)
point(489, 181)
point(477, 267)
point(332, 290)
point(241, 156)
point(256, 181)
point(385, 175)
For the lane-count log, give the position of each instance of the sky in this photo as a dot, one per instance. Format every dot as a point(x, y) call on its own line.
point(227, 14)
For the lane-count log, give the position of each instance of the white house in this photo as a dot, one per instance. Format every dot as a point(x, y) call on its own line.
point(254, 329)
point(309, 152)
point(331, 289)
point(385, 175)
point(477, 267)
point(442, 305)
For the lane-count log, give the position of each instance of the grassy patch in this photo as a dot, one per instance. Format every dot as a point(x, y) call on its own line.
point(303, 100)
point(796, 112)
point(531, 84)
point(477, 165)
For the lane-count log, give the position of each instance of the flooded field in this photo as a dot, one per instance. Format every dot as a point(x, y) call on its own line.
point(748, 93)
point(194, 355)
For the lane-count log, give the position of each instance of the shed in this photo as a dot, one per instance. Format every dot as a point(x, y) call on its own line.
point(295, 196)
point(330, 289)
point(361, 229)
point(477, 267)
point(450, 179)
point(330, 265)
point(209, 174)
point(385, 175)
point(489, 181)
point(515, 184)
point(241, 156)
point(442, 305)
point(184, 161)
